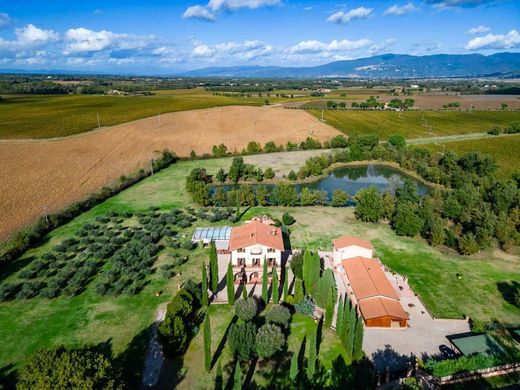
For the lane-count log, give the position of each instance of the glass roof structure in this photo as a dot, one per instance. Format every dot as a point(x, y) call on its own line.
point(212, 233)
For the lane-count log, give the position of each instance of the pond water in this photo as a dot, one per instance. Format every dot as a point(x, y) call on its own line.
point(353, 179)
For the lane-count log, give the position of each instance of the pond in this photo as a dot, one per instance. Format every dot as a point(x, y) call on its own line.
point(353, 179)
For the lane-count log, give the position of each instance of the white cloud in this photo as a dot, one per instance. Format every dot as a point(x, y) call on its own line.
point(83, 40)
point(98, 11)
point(198, 12)
point(207, 12)
point(315, 46)
point(491, 41)
point(441, 4)
point(5, 20)
point(243, 51)
point(478, 30)
point(308, 8)
point(345, 17)
point(398, 10)
point(29, 37)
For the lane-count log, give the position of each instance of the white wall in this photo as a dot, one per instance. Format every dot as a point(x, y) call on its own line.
point(256, 251)
point(351, 251)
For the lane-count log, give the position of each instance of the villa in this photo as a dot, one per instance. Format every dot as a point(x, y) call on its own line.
point(348, 247)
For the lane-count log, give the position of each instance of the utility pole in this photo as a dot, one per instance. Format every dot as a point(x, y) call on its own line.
point(45, 214)
point(98, 121)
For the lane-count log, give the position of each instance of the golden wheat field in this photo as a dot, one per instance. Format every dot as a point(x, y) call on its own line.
point(38, 174)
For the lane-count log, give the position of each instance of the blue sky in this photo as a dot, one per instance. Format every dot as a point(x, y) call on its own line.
point(159, 36)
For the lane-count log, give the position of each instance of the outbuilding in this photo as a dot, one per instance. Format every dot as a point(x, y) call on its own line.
point(348, 247)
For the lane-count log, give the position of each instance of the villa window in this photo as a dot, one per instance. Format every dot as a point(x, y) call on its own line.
point(256, 262)
point(271, 262)
point(241, 250)
point(270, 250)
point(241, 261)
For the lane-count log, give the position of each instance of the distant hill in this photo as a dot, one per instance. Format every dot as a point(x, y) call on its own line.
point(383, 66)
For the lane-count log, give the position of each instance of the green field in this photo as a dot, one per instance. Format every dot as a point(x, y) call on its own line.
point(505, 150)
point(28, 325)
point(411, 124)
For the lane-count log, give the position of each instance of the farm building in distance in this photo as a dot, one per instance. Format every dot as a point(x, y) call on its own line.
point(371, 290)
point(220, 235)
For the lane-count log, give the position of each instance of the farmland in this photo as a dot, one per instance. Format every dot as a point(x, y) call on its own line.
point(415, 124)
point(54, 173)
point(505, 150)
point(26, 325)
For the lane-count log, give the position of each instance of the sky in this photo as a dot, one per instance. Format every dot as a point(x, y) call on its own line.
point(160, 36)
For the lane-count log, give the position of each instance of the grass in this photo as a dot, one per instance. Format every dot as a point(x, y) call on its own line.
point(410, 124)
point(505, 150)
point(26, 326)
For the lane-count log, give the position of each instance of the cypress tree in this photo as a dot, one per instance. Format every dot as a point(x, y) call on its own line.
point(311, 271)
point(237, 378)
point(274, 286)
point(351, 331)
point(205, 300)
point(293, 373)
point(244, 290)
point(230, 285)
point(339, 316)
point(207, 343)
point(298, 291)
point(213, 267)
point(265, 280)
point(285, 285)
point(329, 309)
point(311, 358)
point(344, 322)
point(358, 340)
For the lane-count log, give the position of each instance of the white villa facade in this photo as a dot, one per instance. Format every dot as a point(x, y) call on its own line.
point(347, 247)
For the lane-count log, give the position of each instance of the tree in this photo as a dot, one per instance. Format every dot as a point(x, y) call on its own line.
point(369, 205)
point(292, 176)
point(358, 341)
point(207, 343)
point(284, 195)
point(298, 290)
point(246, 309)
point(397, 141)
point(269, 340)
point(287, 219)
point(265, 282)
point(293, 372)
point(242, 340)
point(297, 265)
point(339, 198)
point(405, 221)
point(311, 357)
point(274, 286)
point(468, 244)
point(205, 300)
point(61, 369)
point(339, 316)
point(237, 377)
point(325, 285)
point(311, 271)
point(253, 147)
point(218, 377)
point(279, 315)
point(237, 170)
point(339, 141)
point(220, 150)
point(388, 205)
point(351, 331)
point(230, 285)
point(285, 284)
point(213, 267)
point(329, 308)
point(221, 175)
point(269, 173)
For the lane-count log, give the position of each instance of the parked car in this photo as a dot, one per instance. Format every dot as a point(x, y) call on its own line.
point(447, 352)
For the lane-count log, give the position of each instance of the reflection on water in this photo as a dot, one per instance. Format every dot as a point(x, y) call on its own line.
point(353, 179)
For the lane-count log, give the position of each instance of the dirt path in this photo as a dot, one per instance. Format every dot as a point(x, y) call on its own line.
point(451, 138)
point(52, 174)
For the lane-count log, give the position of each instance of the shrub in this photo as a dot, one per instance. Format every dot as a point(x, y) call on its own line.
point(269, 340)
point(242, 340)
point(292, 176)
point(269, 173)
point(339, 198)
point(279, 315)
point(462, 364)
point(246, 309)
point(306, 306)
point(83, 368)
point(288, 219)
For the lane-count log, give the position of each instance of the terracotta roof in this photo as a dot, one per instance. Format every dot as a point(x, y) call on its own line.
point(379, 307)
point(256, 232)
point(345, 241)
point(367, 278)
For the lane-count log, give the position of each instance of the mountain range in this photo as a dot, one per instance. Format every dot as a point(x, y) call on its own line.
point(383, 66)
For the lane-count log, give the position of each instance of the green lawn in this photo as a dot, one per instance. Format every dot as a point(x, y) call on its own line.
point(28, 325)
point(505, 150)
point(410, 124)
